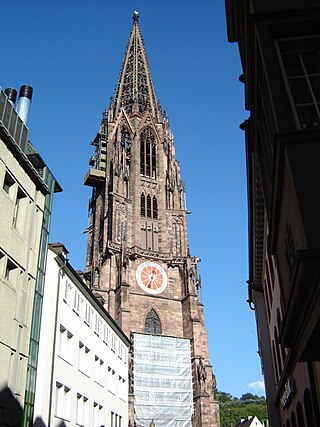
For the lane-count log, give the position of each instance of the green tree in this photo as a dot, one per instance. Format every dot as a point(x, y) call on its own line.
point(249, 396)
point(233, 409)
point(224, 397)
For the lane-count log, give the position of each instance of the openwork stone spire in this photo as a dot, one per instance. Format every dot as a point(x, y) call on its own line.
point(138, 256)
point(134, 91)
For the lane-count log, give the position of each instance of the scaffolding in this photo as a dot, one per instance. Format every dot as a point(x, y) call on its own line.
point(162, 381)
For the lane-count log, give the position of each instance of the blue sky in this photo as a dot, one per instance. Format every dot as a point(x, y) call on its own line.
point(71, 51)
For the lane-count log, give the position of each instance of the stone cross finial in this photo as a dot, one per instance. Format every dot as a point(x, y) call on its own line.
point(135, 16)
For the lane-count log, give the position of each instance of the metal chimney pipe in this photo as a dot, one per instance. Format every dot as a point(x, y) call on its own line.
point(11, 94)
point(23, 107)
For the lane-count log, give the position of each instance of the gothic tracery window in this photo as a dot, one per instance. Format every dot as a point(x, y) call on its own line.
point(155, 207)
point(148, 158)
point(149, 233)
point(149, 214)
point(152, 324)
point(148, 206)
point(125, 139)
point(143, 205)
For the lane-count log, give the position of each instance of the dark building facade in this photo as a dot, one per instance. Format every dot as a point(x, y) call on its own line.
point(138, 254)
point(279, 45)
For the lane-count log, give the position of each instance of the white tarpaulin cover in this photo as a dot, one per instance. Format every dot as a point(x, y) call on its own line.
point(162, 381)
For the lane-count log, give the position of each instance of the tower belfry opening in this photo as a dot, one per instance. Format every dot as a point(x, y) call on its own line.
point(137, 252)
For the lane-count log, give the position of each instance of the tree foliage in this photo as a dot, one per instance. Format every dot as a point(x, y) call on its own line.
point(224, 397)
point(249, 396)
point(233, 409)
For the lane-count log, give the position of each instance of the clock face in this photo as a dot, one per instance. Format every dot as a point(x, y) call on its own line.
point(151, 277)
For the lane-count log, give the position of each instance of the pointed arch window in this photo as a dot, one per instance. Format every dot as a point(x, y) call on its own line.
point(148, 157)
point(152, 324)
point(149, 206)
point(143, 205)
point(153, 161)
point(125, 139)
point(155, 207)
point(142, 157)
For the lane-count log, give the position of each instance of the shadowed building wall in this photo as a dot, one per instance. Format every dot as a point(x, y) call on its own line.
point(279, 44)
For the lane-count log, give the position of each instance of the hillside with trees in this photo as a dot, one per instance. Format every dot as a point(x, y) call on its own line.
point(232, 409)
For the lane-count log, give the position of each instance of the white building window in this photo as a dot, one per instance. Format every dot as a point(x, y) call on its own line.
point(113, 342)
point(84, 359)
point(76, 302)
point(125, 354)
point(62, 401)
point(116, 345)
point(107, 334)
point(81, 306)
point(112, 383)
point(68, 292)
point(121, 350)
point(98, 370)
point(66, 345)
point(98, 325)
point(122, 388)
point(82, 410)
point(88, 315)
point(116, 420)
point(97, 415)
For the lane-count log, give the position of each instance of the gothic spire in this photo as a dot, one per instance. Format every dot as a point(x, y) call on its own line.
point(134, 91)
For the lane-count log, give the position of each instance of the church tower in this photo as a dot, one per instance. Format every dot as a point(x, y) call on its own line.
point(138, 254)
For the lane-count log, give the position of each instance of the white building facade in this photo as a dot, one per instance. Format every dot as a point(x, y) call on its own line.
point(82, 374)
